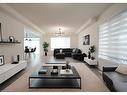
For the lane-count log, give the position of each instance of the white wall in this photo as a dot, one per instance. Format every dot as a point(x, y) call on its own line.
point(93, 30)
point(12, 27)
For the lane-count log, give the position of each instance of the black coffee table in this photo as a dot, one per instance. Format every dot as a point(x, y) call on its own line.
point(55, 81)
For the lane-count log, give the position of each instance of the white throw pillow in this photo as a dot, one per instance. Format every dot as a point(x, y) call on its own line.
point(60, 50)
point(122, 69)
point(74, 50)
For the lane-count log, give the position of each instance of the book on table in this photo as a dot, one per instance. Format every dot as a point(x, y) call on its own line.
point(66, 72)
point(42, 71)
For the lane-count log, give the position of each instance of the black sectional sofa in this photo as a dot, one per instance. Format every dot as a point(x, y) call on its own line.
point(70, 52)
point(114, 80)
point(66, 51)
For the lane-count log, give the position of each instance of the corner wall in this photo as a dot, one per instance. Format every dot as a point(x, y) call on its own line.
point(93, 31)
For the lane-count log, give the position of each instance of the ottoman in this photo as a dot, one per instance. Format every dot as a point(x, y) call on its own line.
point(60, 56)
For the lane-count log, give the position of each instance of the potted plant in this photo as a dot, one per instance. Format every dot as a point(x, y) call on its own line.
point(45, 47)
point(92, 50)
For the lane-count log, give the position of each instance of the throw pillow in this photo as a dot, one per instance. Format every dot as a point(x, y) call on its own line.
point(77, 51)
point(60, 50)
point(74, 50)
point(122, 69)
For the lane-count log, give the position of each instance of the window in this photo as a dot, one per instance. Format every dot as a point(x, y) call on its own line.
point(113, 39)
point(60, 42)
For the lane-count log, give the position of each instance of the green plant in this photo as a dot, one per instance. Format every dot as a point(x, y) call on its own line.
point(92, 49)
point(45, 46)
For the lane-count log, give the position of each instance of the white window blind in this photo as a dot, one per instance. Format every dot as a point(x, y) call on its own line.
point(60, 42)
point(113, 39)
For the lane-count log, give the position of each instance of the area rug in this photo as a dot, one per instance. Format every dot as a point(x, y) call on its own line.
point(90, 82)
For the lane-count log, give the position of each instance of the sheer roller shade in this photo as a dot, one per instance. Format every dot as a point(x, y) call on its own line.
point(113, 39)
point(60, 42)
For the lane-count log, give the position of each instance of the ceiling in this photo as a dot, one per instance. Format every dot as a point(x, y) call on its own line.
point(49, 17)
point(30, 34)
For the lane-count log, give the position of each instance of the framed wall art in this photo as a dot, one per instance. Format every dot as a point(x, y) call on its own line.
point(86, 40)
point(1, 60)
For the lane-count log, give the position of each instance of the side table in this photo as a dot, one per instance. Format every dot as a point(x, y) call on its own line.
point(90, 62)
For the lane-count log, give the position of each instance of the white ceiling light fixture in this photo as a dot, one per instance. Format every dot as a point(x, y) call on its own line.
point(59, 32)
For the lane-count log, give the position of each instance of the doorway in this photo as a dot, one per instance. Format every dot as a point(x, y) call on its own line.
point(32, 43)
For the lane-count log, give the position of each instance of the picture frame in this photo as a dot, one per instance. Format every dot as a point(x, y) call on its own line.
point(86, 40)
point(1, 60)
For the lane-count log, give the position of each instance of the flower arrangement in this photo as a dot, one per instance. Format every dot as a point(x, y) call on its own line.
point(92, 49)
point(67, 65)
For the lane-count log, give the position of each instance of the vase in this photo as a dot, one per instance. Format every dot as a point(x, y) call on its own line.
point(92, 58)
point(89, 55)
point(45, 53)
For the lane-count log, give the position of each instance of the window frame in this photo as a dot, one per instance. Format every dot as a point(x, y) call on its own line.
point(60, 46)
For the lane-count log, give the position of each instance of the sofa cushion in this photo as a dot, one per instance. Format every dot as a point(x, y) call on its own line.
point(116, 76)
point(122, 69)
point(119, 80)
point(57, 50)
point(75, 50)
point(78, 51)
point(67, 50)
point(120, 86)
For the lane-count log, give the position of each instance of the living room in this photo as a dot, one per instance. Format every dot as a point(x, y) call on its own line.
point(70, 31)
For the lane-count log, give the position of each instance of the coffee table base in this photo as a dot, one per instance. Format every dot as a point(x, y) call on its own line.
point(55, 83)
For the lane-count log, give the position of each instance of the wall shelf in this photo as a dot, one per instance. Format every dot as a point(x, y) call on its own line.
point(6, 42)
